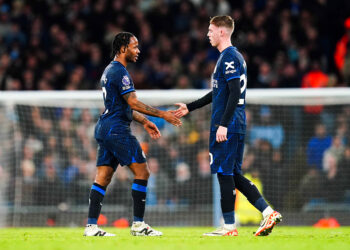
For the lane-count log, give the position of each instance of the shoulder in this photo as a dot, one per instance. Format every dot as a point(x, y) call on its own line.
point(233, 54)
point(231, 57)
point(230, 63)
point(116, 71)
point(117, 68)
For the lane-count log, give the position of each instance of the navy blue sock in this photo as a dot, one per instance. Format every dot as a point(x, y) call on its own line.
point(261, 204)
point(95, 202)
point(229, 217)
point(138, 192)
point(249, 190)
point(228, 197)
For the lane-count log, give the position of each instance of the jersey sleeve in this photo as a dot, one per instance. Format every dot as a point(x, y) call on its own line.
point(231, 67)
point(124, 82)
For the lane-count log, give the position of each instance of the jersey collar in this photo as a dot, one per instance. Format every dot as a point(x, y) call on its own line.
point(116, 62)
point(226, 49)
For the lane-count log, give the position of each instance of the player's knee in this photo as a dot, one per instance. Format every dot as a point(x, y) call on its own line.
point(142, 173)
point(103, 178)
point(145, 174)
point(108, 179)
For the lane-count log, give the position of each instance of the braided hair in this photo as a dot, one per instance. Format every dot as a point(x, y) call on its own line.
point(121, 39)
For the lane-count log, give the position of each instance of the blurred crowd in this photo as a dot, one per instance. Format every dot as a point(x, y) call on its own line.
point(300, 154)
point(57, 162)
point(54, 152)
point(65, 45)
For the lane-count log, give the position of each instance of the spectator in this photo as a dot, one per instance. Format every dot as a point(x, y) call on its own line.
point(342, 53)
point(28, 172)
point(315, 78)
point(343, 175)
point(120, 187)
point(332, 156)
point(182, 183)
point(49, 191)
point(203, 179)
point(317, 146)
point(311, 183)
point(158, 184)
point(267, 129)
point(335, 174)
point(273, 35)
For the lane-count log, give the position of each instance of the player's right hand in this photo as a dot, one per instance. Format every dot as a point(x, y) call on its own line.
point(171, 118)
point(181, 111)
point(152, 130)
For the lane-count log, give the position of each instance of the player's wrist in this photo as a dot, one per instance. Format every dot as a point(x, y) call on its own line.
point(188, 110)
point(145, 121)
point(162, 114)
point(190, 106)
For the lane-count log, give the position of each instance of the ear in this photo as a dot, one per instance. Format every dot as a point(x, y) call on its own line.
point(123, 49)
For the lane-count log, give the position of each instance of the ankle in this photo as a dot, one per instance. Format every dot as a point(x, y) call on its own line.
point(267, 211)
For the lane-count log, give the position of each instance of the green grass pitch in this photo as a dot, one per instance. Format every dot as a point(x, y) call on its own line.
point(179, 238)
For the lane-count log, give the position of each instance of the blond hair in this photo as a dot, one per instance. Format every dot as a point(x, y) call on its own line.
point(223, 21)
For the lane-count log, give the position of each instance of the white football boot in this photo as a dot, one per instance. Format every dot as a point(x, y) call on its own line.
point(225, 230)
point(268, 223)
point(140, 228)
point(94, 230)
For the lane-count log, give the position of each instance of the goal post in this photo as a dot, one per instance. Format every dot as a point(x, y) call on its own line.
point(296, 152)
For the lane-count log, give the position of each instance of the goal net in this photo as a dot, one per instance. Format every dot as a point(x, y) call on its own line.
point(297, 152)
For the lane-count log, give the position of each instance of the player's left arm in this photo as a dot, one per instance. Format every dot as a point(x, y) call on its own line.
point(149, 126)
point(235, 92)
point(136, 116)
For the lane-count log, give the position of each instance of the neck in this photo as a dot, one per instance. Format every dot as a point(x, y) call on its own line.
point(121, 60)
point(223, 45)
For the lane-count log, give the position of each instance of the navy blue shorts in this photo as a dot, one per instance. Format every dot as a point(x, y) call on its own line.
point(116, 149)
point(226, 157)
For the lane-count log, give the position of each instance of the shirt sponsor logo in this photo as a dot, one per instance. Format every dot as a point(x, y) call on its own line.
point(230, 71)
point(229, 65)
point(230, 68)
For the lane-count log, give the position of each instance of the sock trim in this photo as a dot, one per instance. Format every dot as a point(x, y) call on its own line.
point(139, 188)
point(98, 189)
point(92, 221)
point(137, 219)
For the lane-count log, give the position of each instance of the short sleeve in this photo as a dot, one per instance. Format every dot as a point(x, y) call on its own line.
point(231, 67)
point(124, 82)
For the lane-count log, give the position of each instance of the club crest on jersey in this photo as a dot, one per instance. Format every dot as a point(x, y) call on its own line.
point(230, 68)
point(126, 82)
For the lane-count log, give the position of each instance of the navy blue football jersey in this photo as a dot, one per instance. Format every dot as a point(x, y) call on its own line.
point(115, 82)
point(230, 65)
